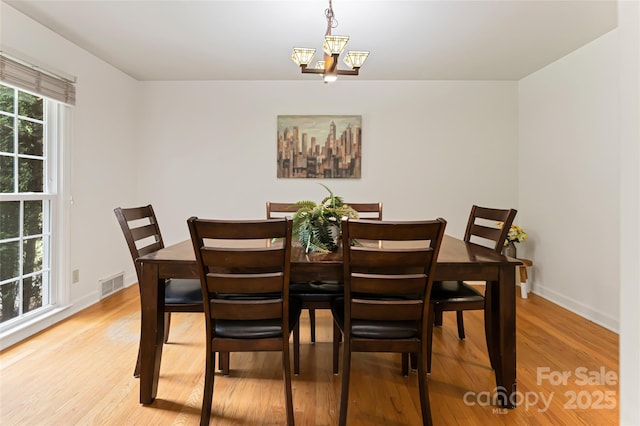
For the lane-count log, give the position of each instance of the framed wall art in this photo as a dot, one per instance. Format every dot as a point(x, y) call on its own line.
point(320, 146)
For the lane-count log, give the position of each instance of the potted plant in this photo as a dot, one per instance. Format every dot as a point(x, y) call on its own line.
point(317, 226)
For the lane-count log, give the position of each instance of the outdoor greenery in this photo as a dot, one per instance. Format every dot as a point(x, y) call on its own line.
point(317, 226)
point(28, 157)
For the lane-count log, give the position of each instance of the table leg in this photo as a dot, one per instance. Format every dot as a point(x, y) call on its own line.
point(504, 336)
point(152, 332)
point(490, 330)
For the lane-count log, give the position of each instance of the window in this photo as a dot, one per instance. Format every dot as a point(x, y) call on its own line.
point(28, 186)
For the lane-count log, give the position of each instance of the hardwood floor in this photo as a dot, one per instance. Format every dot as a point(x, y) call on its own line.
point(79, 372)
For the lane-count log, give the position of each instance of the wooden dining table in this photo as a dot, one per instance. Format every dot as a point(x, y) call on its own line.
point(458, 260)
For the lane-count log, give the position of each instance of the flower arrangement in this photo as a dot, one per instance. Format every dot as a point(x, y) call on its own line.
point(516, 235)
point(317, 226)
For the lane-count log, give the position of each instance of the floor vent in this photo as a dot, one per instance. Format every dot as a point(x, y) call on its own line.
point(111, 284)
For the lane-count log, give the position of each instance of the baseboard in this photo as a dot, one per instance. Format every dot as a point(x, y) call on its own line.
point(52, 317)
point(598, 317)
point(130, 280)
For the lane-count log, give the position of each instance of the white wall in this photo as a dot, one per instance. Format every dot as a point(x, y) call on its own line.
point(430, 148)
point(569, 182)
point(629, 89)
point(100, 152)
point(579, 134)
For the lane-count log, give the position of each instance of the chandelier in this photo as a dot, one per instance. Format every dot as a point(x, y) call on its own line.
point(333, 46)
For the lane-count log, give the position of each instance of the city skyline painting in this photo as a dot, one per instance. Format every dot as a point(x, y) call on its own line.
point(319, 146)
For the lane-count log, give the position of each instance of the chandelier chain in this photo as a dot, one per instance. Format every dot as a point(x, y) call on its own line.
point(332, 22)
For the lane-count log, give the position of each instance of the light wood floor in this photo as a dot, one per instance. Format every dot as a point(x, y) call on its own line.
point(79, 372)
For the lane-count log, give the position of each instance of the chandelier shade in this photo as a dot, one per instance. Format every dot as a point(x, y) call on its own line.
point(333, 46)
point(302, 56)
point(355, 58)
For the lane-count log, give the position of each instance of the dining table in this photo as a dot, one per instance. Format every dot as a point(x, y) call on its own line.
point(458, 261)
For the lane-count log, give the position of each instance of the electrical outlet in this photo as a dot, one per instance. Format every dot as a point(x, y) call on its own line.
point(75, 276)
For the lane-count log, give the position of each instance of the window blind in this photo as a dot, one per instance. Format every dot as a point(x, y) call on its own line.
point(36, 80)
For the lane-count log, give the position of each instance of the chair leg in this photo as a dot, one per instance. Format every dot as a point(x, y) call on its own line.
point(219, 361)
point(346, 374)
point(413, 361)
point(460, 321)
point(337, 336)
point(405, 364)
point(312, 324)
point(207, 396)
point(136, 371)
point(438, 318)
point(430, 338)
point(296, 349)
point(286, 370)
point(423, 386)
point(223, 362)
point(167, 324)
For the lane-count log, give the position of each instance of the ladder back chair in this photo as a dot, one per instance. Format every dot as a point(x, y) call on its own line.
point(318, 295)
point(244, 269)
point(276, 210)
point(483, 228)
point(142, 233)
point(388, 276)
point(368, 211)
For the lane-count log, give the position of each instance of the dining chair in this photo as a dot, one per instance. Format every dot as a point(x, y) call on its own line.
point(488, 227)
point(142, 233)
point(318, 295)
point(388, 276)
point(244, 269)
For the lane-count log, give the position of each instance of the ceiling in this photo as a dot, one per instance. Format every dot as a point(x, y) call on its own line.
point(253, 40)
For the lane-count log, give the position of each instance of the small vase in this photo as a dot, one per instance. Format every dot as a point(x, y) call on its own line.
point(510, 250)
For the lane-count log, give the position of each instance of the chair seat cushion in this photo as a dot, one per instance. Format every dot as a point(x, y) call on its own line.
point(317, 290)
point(258, 329)
point(182, 292)
point(454, 291)
point(369, 329)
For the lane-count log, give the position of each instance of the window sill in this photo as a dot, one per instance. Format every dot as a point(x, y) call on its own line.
point(32, 326)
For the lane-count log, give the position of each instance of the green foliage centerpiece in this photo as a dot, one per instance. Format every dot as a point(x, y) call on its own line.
point(317, 226)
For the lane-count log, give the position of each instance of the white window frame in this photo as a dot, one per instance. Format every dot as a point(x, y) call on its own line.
point(56, 134)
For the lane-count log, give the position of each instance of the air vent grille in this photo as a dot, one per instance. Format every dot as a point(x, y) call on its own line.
point(111, 284)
